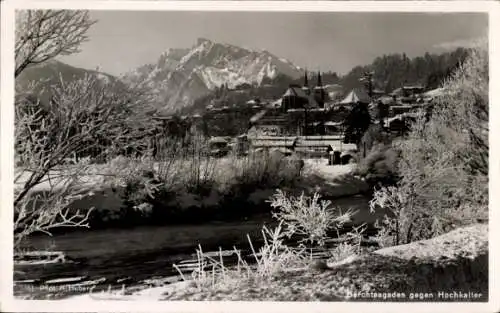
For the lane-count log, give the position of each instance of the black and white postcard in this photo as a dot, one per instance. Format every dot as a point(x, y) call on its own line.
point(243, 156)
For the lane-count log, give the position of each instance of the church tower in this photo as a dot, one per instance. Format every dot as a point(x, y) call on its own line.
point(305, 88)
point(319, 92)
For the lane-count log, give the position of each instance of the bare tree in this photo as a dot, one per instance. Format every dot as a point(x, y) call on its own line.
point(88, 114)
point(42, 35)
point(83, 116)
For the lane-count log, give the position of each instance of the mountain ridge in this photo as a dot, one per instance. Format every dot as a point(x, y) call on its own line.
point(181, 76)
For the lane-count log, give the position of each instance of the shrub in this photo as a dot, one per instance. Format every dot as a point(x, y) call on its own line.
point(309, 218)
point(137, 178)
point(380, 167)
point(189, 172)
point(306, 217)
point(342, 251)
point(272, 259)
point(375, 135)
point(262, 169)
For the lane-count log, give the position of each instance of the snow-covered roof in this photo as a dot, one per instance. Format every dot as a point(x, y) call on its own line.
point(413, 87)
point(386, 99)
point(295, 91)
point(320, 137)
point(333, 123)
point(272, 143)
point(276, 103)
point(402, 116)
point(219, 140)
point(435, 92)
point(258, 116)
point(282, 138)
point(355, 96)
point(295, 110)
point(403, 106)
point(397, 91)
point(308, 110)
point(315, 143)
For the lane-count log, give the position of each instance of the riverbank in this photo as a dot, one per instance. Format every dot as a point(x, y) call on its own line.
point(116, 206)
point(451, 267)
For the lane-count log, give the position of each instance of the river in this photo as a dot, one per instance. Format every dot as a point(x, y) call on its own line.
point(132, 255)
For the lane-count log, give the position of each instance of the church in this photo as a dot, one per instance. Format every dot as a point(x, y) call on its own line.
point(304, 97)
point(301, 112)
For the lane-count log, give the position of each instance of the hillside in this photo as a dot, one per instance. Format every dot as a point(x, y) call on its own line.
point(393, 70)
point(50, 73)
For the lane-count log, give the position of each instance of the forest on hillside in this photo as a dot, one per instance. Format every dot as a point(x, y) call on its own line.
point(394, 70)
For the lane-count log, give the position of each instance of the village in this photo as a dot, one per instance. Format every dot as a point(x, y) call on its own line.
point(310, 120)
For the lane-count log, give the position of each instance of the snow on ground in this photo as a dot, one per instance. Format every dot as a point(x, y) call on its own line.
point(331, 180)
point(57, 179)
point(95, 179)
point(320, 167)
point(468, 241)
point(144, 294)
point(437, 264)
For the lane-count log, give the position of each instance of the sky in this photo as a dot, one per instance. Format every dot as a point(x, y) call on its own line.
point(333, 41)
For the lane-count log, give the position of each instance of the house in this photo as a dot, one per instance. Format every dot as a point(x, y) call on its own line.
point(407, 94)
point(400, 123)
point(268, 121)
point(399, 109)
point(270, 143)
point(320, 146)
point(219, 146)
point(333, 127)
point(334, 92)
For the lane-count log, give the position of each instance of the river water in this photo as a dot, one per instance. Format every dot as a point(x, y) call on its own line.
point(132, 255)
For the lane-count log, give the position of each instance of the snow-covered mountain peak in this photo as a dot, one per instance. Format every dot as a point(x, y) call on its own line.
point(191, 73)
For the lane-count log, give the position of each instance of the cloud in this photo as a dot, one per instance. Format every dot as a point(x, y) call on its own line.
point(460, 43)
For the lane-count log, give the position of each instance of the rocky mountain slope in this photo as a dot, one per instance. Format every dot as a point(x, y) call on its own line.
point(180, 76)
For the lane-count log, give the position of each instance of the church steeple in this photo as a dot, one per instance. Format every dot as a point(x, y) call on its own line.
point(306, 84)
point(319, 91)
point(320, 84)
